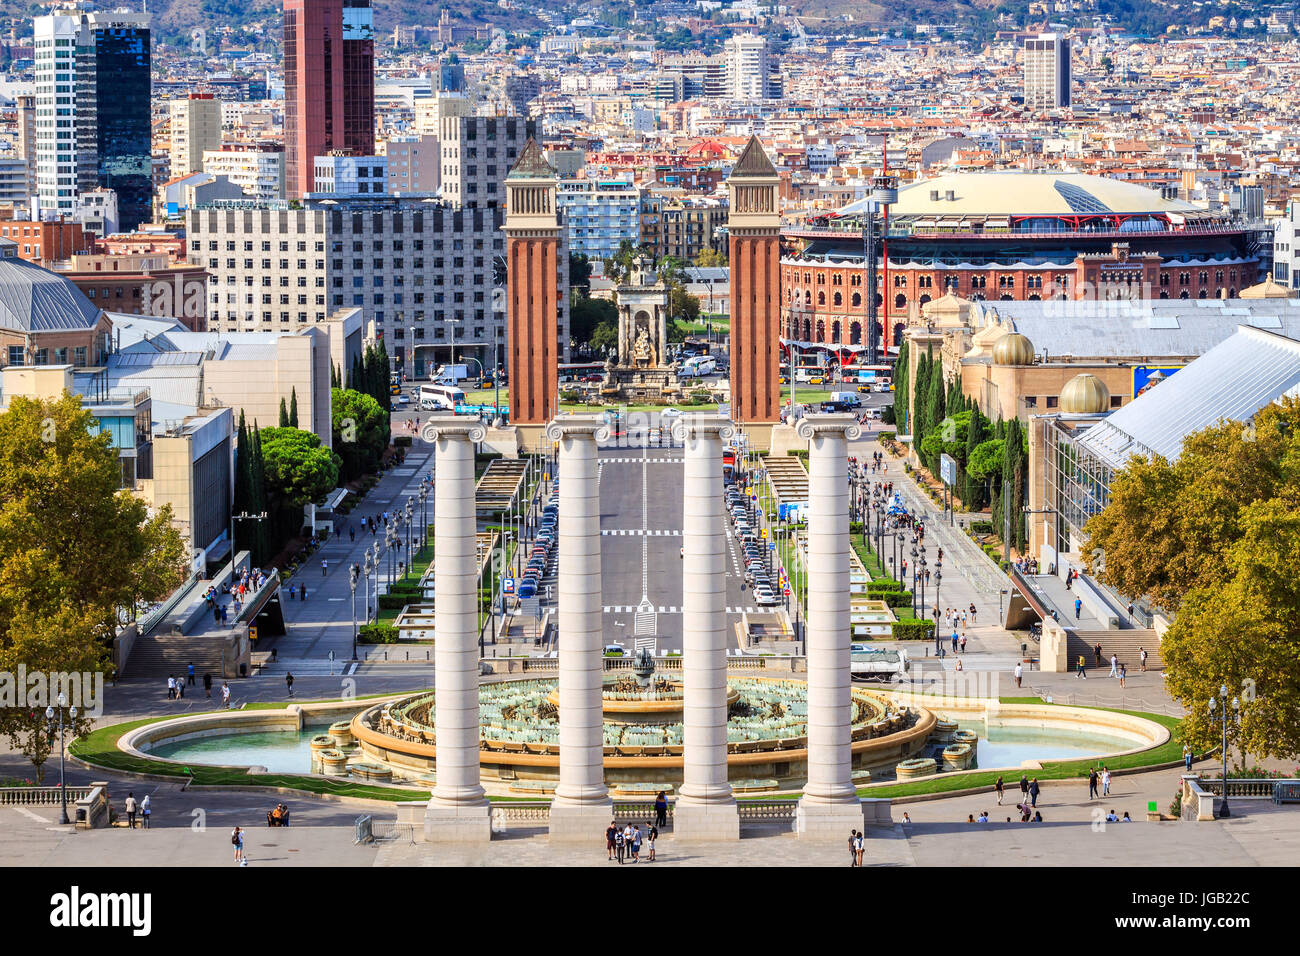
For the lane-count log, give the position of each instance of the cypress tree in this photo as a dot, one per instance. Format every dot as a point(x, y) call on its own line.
point(284, 414)
point(974, 496)
point(260, 504)
point(293, 407)
point(935, 405)
point(900, 390)
point(243, 479)
point(921, 423)
point(384, 395)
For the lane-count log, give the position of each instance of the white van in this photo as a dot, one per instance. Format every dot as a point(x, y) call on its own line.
point(445, 397)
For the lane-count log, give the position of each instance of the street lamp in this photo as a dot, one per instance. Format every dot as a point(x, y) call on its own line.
point(1223, 716)
point(938, 580)
point(424, 515)
point(63, 784)
point(406, 521)
point(898, 554)
point(366, 567)
point(353, 573)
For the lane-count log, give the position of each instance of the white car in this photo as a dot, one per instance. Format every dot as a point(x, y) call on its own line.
point(765, 595)
point(670, 413)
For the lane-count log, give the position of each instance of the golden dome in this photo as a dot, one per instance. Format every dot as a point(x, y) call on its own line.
point(1268, 289)
point(1013, 349)
point(1085, 395)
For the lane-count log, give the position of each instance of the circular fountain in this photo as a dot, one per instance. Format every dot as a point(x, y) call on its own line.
point(643, 730)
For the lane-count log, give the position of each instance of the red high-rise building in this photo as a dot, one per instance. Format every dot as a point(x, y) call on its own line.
point(754, 228)
point(329, 85)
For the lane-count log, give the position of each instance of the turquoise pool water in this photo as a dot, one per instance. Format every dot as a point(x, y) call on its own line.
point(280, 751)
point(1010, 746)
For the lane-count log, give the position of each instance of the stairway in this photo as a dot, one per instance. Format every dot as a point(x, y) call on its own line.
point(161, 655)
point(1123, 643)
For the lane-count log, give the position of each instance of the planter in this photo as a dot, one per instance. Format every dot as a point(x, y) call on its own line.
point(957, 756)
point(919, 767)
point(943, 730)
point(341, 733)
point(333, 763)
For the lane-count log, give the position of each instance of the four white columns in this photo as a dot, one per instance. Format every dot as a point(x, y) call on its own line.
point(705, 808)
point(458, 811)
point(830, 807)
point(582, 808)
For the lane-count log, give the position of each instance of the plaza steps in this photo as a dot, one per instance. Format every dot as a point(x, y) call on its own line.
point(160, 655)
point(1123, 643)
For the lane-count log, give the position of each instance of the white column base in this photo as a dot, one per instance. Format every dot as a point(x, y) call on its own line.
point(458, 823)
point(714, 821)
point(581, 822)
point(829, 821)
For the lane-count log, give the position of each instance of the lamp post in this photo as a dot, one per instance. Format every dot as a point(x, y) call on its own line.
point(406, 521)
point(63, 785)
point(374, 566)
point(938, 580)
point(366, 567)
point(899, 555)
point(916, 567)
point(1225, 714)
point(424, 516)
point(353, 573)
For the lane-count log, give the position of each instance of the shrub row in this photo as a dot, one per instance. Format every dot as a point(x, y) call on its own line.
point(912, 629)
point(377, 633)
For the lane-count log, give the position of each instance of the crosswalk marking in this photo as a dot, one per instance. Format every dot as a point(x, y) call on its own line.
point(638, 461)
point(652, 532)
point(667, 609)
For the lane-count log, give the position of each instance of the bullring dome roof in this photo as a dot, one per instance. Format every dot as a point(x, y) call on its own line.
point(1028, 194)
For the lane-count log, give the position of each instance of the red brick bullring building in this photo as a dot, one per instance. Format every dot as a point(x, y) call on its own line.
point(1008, 235)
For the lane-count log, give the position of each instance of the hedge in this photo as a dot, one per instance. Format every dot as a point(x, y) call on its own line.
point(402, 441)
point(911, 629)
point(377, 633)
point(395, 602)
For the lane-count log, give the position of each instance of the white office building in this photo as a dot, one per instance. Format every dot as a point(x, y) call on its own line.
point(1047, 72)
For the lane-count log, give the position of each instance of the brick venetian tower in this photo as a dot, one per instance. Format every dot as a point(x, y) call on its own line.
point(754, 227)
point(532, 229)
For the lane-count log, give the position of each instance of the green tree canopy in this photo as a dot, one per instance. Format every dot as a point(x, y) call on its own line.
point(298, 470)
point(360, 431)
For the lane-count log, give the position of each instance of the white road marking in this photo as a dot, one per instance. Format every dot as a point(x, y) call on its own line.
point(31, 816)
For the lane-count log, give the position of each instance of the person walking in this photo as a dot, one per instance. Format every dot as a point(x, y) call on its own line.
point(1142, 658)
point(610, 831)
point(972, 613)
point(1019, 672)
point(1114, 666)
point(302, 592)
point(293, 591)
point(1024, 788)
point(189, 673)
point(1096, 653)
point(352, 534)
point(225, 695)
point(651, 834)
point(130, 807)
point(324, 567)
point(998, 788)
point(1034, 790)
point(237, 841)
point(1187, 758)
point(859, 848)
point(963, 644)
point(288, 683)
point(1123, 674)
point(1078, 606)
point(1092, 784)
point(661, 810)
point(207, 685)
point(1083, 667)
point(853, 848)
point(1105, 781)
point(180, 688)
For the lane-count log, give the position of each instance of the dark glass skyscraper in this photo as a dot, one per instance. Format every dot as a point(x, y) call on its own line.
point(329, 84)
point(93, 92)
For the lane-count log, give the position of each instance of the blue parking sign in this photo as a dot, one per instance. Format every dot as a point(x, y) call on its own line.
point(507, 585)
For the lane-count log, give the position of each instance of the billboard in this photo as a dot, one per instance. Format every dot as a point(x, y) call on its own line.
point(948, 469)
point(1142, 375)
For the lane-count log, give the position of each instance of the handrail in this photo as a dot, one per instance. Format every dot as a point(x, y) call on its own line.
point(159, 613)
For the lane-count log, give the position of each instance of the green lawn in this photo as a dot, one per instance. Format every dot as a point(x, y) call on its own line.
point(1169, 752)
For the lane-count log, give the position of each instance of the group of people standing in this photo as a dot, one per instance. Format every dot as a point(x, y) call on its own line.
point(624, 843)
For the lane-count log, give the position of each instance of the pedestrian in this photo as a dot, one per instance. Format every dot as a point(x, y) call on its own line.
point(1105, 781)
point(651, 834)
point(661, 810)
point(1096, 653)
point(636, 844)
point(1024, 788)
point(293, 592)
point(1033, 792)
point(302, 592)
point(972, 613)
point(1142, 656)
point(963, 644)
point(1068, 581)
point(1092, 784)
point(146, 808)
point(130, 810)
point(207, 685)
point(1130, 612)
point(1083, 667)
point(859, 848)
point(237, 841)
point(998, 788)
point(1123, 673)
point(1114, 666)
point(352, 534)
point(853, 848)
point(180, 689)
point(954, 642)
point(225, 695)
point(324, 567)
point(610, 832)
point(288, 682)
point(189, 671)
point(1020, 669)
point(171, 687)
point(620, 845)
point(1187, 757)
point(1078, 606)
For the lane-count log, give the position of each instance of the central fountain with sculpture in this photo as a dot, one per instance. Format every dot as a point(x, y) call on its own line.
point(643, 728)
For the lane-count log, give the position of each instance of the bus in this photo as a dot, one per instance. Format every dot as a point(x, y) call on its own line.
point(580, 371)
point(447, 397)
point(868, 374)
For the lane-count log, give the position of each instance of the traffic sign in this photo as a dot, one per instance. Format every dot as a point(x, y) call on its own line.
point(787, 592)
point(507, 585)
point(252, 633)
point(762, 532)
point(771, 546)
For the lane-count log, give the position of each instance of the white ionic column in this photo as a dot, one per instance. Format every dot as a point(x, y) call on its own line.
point(582, 808)
point(458, 810)
point(705, 808)
point(830, 807)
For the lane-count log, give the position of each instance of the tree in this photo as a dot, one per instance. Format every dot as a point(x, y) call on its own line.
point(77, 552)
point(973, 494)
point(710, 259)
point(298, 470)
point(360, 432)
point(293, 407)
point(284, 414)
point(900, 387)
point(579, 273)
point(587, 315)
